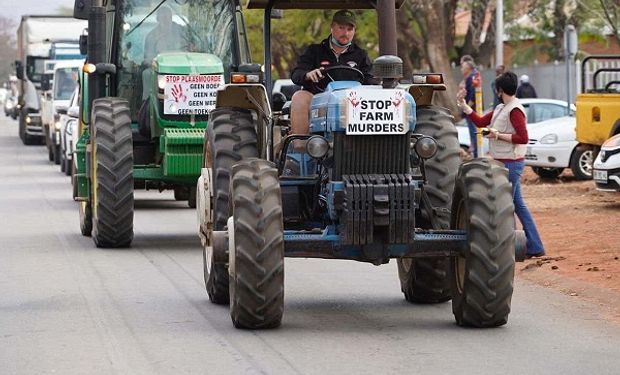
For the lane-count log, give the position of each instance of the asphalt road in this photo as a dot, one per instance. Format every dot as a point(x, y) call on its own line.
point(67, 307)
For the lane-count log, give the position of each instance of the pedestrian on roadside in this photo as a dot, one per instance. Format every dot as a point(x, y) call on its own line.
point(525, 89)
point(507, 144)
point(471, 77)
point(499, 70)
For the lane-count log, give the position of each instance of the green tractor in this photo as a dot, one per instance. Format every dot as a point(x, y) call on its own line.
point(153, 73)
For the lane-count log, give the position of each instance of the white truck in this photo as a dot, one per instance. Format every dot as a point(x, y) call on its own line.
point(55, 96)
point(37, 37)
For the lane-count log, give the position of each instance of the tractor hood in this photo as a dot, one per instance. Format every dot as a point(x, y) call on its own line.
point(188, 63)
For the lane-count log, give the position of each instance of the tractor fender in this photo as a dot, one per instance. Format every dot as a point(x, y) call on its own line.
point(246, 96)
point(204, 197)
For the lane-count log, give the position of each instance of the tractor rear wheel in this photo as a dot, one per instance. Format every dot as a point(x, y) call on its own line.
point(230, 138)
point(425, 280)
point(482, 278)
point(257, 252)
point(112, 173)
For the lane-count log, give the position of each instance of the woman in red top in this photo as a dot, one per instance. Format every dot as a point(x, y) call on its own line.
point(507, 134)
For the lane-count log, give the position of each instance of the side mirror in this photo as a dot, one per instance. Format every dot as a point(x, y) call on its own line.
point(83, 44)
point(73, 111)
point(277, 99)
point(46, 83)
point(81, 9)
point(19, 69)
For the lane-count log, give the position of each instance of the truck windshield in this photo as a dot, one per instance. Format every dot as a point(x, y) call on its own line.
point(65, 81)
point(148, 28)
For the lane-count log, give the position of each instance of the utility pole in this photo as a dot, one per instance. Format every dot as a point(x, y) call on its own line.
point(570, 50)
point(499, 33)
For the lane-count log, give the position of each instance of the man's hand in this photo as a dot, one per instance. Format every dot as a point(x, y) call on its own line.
point(314, 75)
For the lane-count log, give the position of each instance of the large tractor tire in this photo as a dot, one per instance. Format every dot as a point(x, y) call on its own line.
point(482, 277)
point(425, 280)
point(257, 253)
point(112, 173)
point(230, 138)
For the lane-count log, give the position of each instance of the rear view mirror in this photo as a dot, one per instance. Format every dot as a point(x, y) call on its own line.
point(19, 69)
point(46, 83)
point(73, 111)
point(83, 44)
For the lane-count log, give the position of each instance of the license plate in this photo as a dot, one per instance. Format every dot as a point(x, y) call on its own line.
point(600, 176)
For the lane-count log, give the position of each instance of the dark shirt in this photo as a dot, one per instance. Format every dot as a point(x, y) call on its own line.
point(470, 96)
point(526, 90)
point(321, 56)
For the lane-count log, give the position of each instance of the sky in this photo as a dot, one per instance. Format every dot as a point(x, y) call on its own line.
point(14, 9)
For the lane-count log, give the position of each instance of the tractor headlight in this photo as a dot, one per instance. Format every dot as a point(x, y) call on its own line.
point(549, 139)
point(317, 146)
point(161, 82)
point(425, 147)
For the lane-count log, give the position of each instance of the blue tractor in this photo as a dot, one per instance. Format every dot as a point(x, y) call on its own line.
point(379, 177)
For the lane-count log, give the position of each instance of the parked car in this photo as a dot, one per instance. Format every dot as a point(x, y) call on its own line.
point(537, 111)
point(286, 87)
point(9, 106)
point(552, 148)
point(607, 166)
point(69, 127)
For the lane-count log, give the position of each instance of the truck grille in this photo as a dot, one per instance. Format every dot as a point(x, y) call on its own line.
point(370, 154)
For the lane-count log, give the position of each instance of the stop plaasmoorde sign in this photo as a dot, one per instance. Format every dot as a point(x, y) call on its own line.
point(187, 95)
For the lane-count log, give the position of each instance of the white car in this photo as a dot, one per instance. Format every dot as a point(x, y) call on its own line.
point(607, 165)
point(69, 128)
point(552, 148)
point(537, 111)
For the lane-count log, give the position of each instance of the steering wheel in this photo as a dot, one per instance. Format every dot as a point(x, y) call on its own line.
point(338, 73)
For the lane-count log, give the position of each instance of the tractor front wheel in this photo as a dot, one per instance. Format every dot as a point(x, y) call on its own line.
point(257, 252)
point(112, 173)
point(482, 277)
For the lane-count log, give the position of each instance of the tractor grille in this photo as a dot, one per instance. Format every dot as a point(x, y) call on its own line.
point(366, 154)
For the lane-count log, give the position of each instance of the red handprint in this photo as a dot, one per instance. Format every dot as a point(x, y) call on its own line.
point(353, 99)
point(398, 98)
point(177, 93)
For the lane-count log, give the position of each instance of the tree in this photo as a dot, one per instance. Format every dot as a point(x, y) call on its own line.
point(7, 47)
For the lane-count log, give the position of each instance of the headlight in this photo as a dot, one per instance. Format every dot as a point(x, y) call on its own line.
point(161, 82)
point(425, 147)
point(317, 146)
point(57, 125)
point(28, 120)
point(549, 139)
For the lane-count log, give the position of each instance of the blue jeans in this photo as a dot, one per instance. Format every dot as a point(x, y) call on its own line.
point(473, 138)
point(534, 244)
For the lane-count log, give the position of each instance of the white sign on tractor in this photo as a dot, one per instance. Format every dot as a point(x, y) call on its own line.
point(191, 94)
point(372, 112)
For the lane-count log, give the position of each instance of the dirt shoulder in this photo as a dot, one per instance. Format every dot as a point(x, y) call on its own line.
point(580, 228)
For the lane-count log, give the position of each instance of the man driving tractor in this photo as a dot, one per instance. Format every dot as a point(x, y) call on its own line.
point(337, 49)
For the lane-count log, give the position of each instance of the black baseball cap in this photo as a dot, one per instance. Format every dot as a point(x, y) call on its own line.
point(344, 17)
